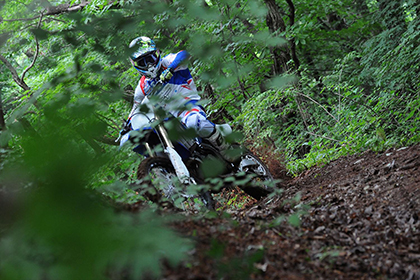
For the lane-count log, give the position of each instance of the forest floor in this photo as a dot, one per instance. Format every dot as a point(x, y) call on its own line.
point(359, 219)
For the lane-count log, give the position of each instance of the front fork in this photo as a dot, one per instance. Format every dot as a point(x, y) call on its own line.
point(181, 170)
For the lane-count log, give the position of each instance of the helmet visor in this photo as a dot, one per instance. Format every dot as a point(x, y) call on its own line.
point(145, 61)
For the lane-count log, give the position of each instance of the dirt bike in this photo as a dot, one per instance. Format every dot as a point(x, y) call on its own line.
point(174, 167)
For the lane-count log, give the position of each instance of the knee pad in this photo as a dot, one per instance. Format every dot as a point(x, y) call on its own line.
point(200, 123)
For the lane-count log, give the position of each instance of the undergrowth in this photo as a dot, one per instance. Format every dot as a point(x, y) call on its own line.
point(306, 129)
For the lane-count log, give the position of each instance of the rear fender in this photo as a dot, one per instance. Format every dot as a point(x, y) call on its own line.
point(246, 163)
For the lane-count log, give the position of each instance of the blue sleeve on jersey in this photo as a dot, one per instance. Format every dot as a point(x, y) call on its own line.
point(179, 59)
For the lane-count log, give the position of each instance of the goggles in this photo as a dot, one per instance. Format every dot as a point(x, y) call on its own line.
point(144, 62)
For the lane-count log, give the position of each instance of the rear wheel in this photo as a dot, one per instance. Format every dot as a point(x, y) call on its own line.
point(261, 183)
point(246, 164)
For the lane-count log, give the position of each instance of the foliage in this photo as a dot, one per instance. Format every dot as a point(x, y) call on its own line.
point(315, 79)
point(67, 233)
point(367, 100)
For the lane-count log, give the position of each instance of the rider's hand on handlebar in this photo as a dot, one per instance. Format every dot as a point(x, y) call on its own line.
point(126, 127)
point(166, 75)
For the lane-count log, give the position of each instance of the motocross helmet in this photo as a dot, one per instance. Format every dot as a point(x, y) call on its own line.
point(146, 57)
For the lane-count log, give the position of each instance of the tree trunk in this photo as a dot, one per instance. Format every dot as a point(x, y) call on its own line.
point(292, 41)
point(2, 122)
point(275, 24)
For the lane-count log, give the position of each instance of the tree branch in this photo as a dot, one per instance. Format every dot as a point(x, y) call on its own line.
point(20, 80)
point(36, 52)
point(302, 94)
point(325, 137)
point(114, 124)
point(15, 75)
point(107, 141)
point(53, 10)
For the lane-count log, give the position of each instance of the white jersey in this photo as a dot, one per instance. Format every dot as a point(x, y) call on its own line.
point(176, 93)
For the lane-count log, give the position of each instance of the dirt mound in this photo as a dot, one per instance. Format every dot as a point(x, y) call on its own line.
point(359, 218)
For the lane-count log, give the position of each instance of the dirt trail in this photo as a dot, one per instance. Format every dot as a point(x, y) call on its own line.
point(360, 220)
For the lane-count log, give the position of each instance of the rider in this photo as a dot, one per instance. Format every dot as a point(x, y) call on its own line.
point(179, 90)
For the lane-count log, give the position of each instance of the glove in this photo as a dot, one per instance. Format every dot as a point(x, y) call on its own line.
point(166, 75)
point(126, 127)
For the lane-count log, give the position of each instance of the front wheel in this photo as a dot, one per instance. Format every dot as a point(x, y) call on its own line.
point(159, 173)
point(262, 183)
point(160, 176)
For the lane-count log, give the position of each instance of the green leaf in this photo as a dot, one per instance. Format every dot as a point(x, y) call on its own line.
point(40, 33)
point(280, 82)
point(212, 167)
point(294, 220)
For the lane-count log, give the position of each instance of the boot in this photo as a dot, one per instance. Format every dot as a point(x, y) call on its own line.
point(217, 139)
point(228, 152)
